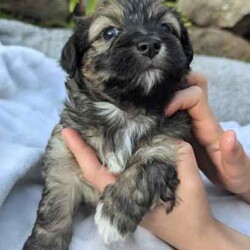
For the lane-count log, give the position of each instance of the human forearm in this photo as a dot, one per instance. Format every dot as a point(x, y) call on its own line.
point(219, 236)
point(215, 236)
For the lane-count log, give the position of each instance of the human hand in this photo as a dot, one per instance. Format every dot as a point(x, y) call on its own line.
point(193, 208)
point(231, 165)
point(190, 224)
point(196, 230)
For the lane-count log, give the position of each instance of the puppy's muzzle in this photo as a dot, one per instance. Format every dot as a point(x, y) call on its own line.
point(149, 48)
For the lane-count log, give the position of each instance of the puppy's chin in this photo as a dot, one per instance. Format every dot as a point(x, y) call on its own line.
point(149, 79)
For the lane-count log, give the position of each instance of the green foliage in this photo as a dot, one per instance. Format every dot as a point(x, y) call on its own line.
point(72, 4)
point(89, 5)
point(171, 3)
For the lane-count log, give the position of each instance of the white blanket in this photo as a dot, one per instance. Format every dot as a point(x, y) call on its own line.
point(31, 96)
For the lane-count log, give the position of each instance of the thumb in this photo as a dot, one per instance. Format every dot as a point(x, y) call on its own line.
point(187, 166)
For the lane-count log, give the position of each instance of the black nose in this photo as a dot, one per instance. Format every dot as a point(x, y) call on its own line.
point(150, 48)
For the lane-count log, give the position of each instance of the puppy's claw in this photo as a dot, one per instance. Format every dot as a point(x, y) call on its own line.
point(168, 199)
point(169, 205)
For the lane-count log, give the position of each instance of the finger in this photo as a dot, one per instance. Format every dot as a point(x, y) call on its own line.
point(234, 158)
point(84, 155)
point(103, 179)
point(191, 99)
point(92, 169)
point(196, 79)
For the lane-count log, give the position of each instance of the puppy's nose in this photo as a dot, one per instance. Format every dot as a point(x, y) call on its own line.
point(150, 48)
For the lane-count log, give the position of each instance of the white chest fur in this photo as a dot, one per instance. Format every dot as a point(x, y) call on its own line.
point(127, 129)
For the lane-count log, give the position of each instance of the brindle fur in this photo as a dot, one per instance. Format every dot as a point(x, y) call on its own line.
point(119, 112)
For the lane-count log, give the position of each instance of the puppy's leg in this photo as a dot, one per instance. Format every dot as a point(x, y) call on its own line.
point(53, 226)
point(61, 197)
point(64, 189)
point(150, 177)
point(124, 204)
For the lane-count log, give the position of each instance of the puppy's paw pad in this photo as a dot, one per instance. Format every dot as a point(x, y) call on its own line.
point(106, 229)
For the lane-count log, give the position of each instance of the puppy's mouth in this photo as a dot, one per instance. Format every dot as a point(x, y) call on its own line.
point(153, 69)
point(154, 65)
point(149, 78)
point(156, 72)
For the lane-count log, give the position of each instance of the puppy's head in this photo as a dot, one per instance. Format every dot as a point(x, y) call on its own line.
point(129, 45)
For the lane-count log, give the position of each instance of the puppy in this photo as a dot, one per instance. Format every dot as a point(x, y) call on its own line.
point(125, 62)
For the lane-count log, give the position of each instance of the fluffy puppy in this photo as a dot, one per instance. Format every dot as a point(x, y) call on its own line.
point(125, 62)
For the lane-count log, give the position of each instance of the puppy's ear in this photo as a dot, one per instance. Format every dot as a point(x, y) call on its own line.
point(70, 57)
point(75, 47)
point(186, 44)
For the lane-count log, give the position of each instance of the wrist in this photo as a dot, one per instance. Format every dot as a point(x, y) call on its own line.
point(214, 238)
point(203, 239)
point(219, 236)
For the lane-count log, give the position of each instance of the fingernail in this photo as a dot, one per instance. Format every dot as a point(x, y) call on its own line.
point(232, 139)
point(168, 111)
point(169, 114)
point(236, 144)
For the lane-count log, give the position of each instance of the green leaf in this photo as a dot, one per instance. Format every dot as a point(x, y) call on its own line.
point(72, 5)
point(91, 6)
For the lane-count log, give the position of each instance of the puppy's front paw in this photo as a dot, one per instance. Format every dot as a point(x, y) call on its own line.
point(168, 197)
point(107, 228)
point(117, 214)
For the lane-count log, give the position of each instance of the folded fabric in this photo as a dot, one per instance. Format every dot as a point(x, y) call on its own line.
point(31, 94)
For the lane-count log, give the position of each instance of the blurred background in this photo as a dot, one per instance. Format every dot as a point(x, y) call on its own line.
point(217, 27)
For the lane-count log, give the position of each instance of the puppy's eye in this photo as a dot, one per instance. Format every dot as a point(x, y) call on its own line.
point(167, 28)
point(110, 33)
